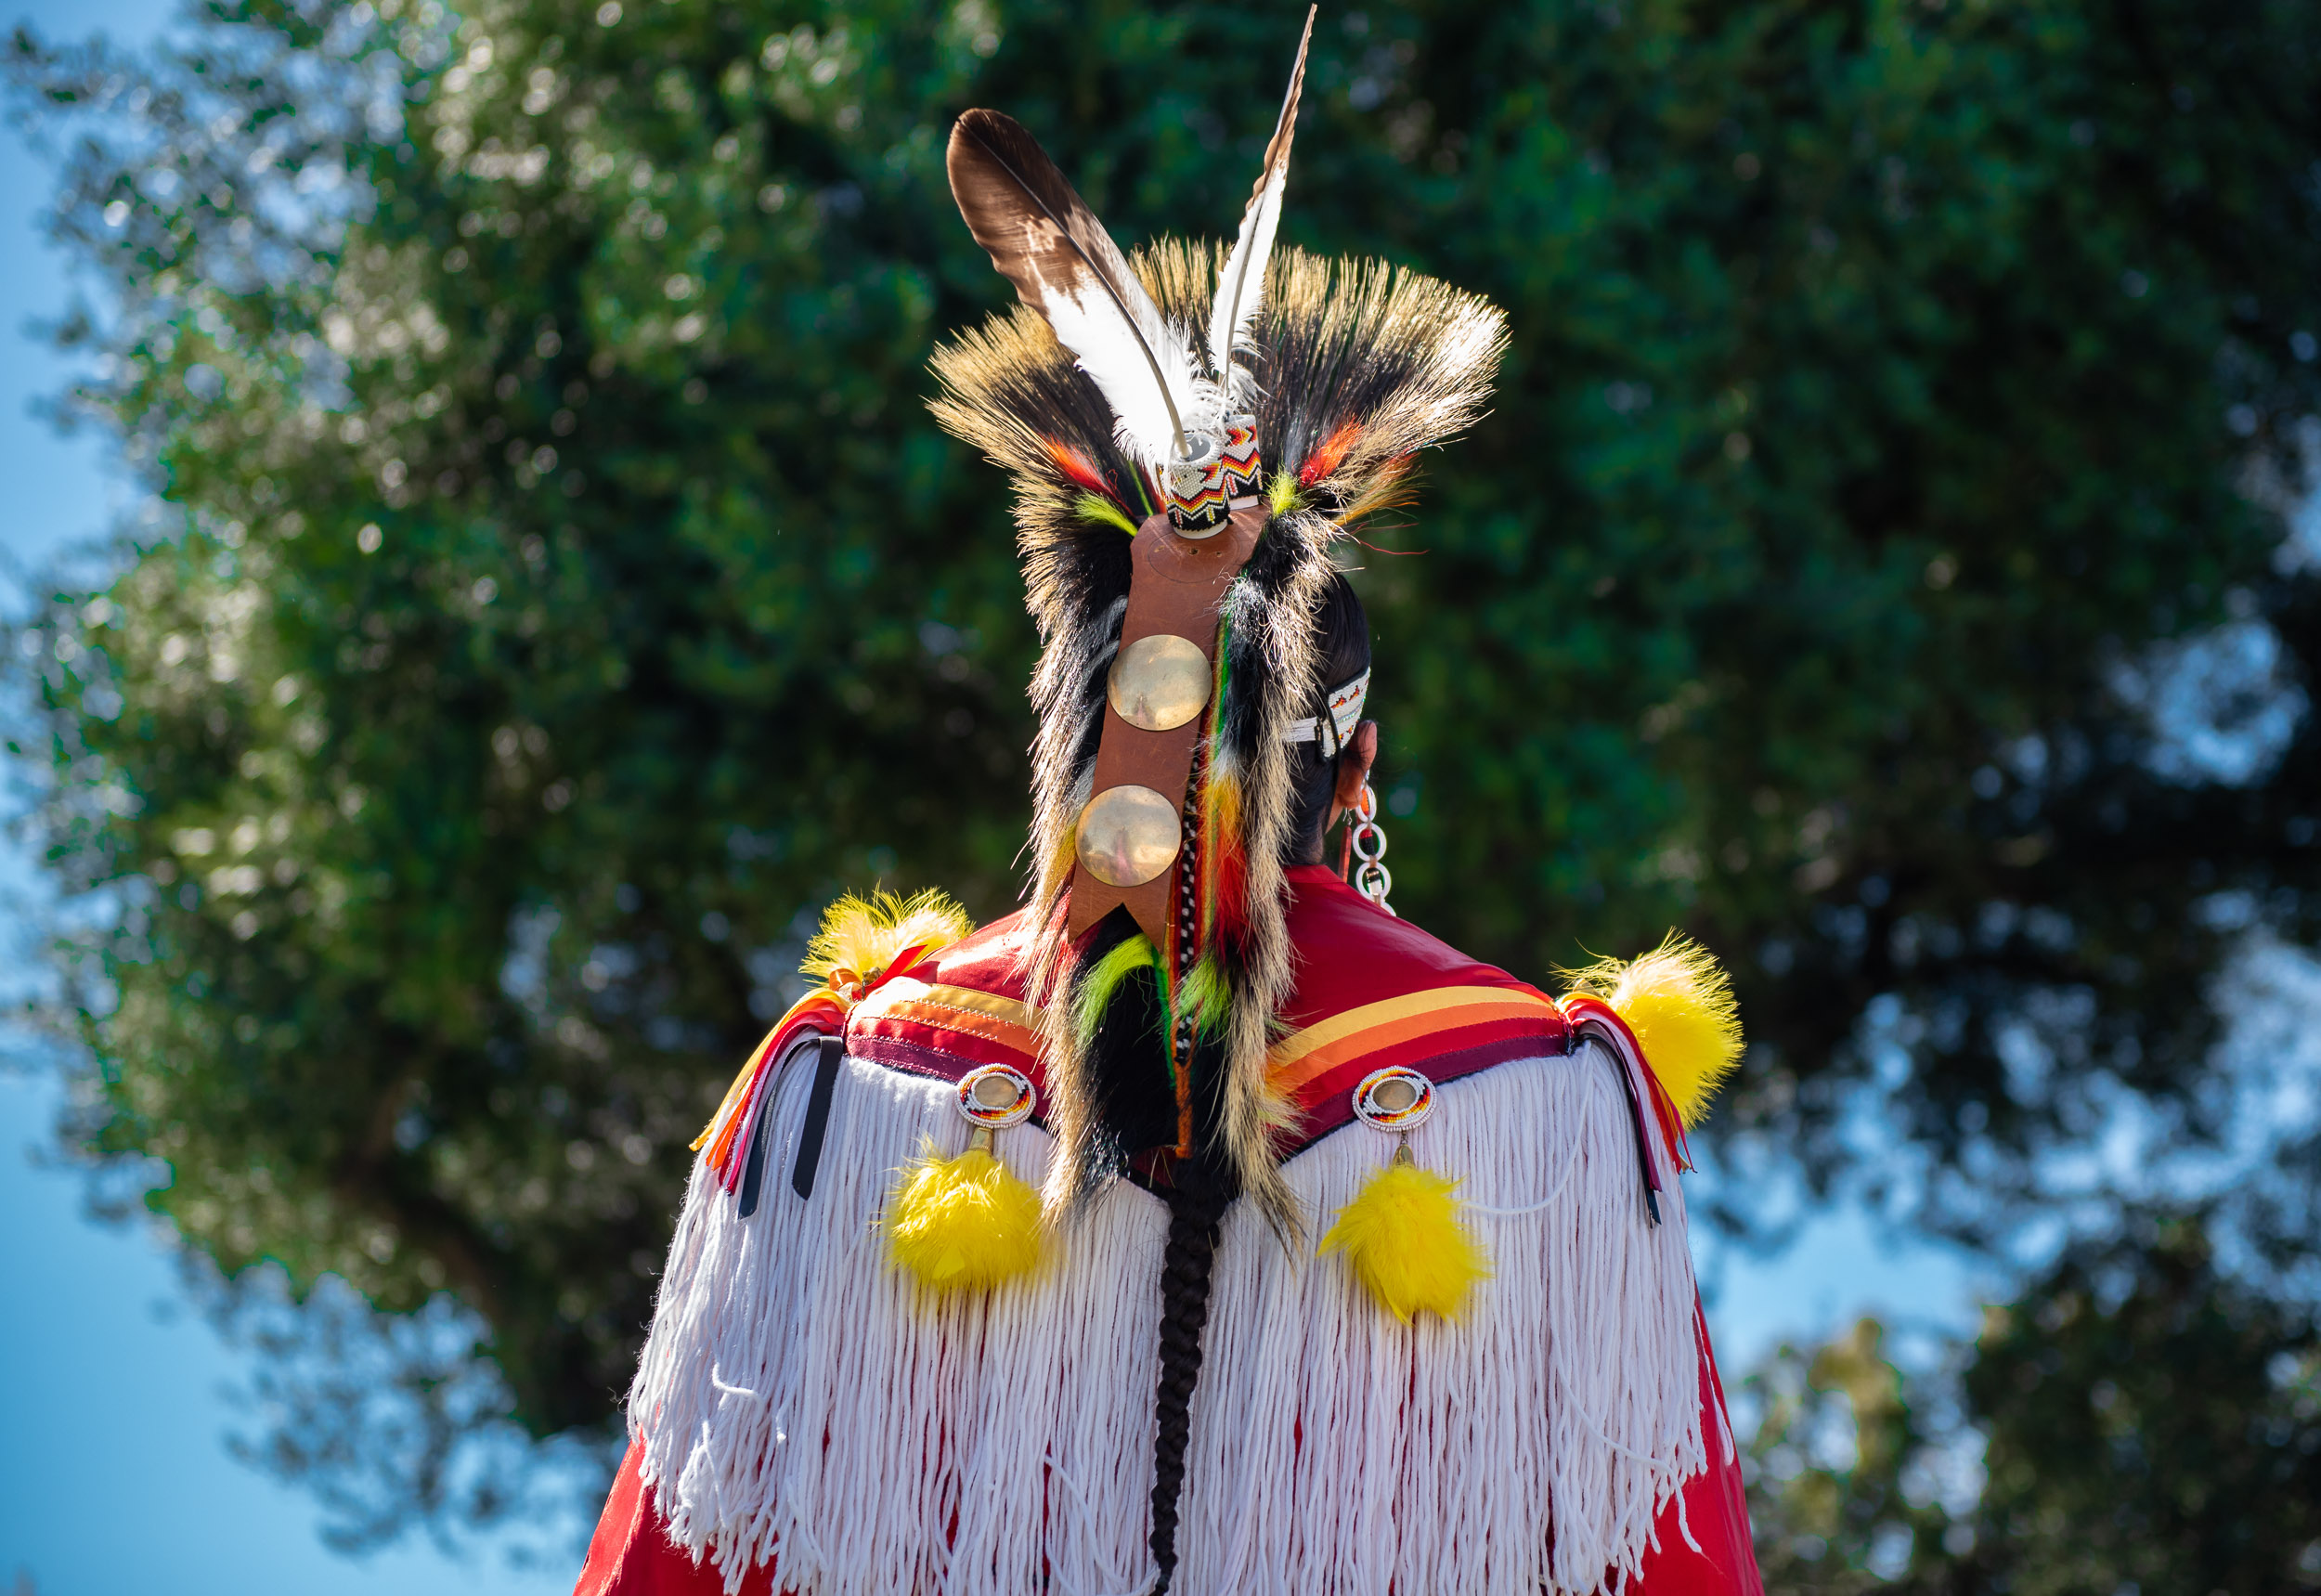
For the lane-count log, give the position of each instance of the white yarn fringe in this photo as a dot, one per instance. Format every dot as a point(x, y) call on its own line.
point(800, 1399)
point(1335, 1450)
point(1529, 1446)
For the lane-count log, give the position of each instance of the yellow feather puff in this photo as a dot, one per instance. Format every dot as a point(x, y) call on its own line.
point(1680, 1005)
point(1404, 1240)
point(863, 935)
point(963, 1224)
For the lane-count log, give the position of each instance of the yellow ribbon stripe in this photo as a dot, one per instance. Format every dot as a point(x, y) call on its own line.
point(1304, 1055)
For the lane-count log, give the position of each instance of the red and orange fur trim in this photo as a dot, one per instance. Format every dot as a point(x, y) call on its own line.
point(1083, 472)
point(1325, 461)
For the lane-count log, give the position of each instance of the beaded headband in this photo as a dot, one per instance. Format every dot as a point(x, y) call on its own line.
point(1331, 729)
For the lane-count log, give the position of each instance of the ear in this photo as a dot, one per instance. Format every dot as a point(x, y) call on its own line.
point(1354, 768)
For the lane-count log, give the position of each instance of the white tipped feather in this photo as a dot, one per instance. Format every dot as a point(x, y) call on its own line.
point(1241, 280)
point(1088, 326)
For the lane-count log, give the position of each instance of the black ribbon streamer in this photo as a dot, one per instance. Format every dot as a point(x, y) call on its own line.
point(1576, 1038)
point(817, 1123)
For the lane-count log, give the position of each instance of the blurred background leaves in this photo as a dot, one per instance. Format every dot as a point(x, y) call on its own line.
point(1883, 560)
point(2142, 1419)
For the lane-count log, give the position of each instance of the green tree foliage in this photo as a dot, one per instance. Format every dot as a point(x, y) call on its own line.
point(553, 590)
point(1847, 1478)
point(2146, 1421)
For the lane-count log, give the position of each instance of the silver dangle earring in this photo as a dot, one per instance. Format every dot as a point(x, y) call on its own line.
point(1366, 840)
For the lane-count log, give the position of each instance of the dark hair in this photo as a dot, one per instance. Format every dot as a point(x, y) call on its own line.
point(1343, 649)
point(1197, 1208)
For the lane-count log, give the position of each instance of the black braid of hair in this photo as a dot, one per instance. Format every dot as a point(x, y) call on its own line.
point(1197, 1206)
point(1203, 1187)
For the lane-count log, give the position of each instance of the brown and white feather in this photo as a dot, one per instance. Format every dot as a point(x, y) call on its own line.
point(1044, 239)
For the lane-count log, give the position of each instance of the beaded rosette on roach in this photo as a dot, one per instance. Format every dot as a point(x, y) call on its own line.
point(1189, 431)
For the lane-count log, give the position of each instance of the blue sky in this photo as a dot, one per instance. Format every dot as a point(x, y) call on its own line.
point(117, 1477)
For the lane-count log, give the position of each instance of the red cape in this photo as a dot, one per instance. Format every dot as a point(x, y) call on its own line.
point(1372, 990)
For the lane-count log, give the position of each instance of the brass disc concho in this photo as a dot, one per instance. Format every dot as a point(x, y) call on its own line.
point(1128, 836)
point(1158, 683)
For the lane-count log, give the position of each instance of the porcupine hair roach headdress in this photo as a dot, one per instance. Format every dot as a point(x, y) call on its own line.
point(1188, 434)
